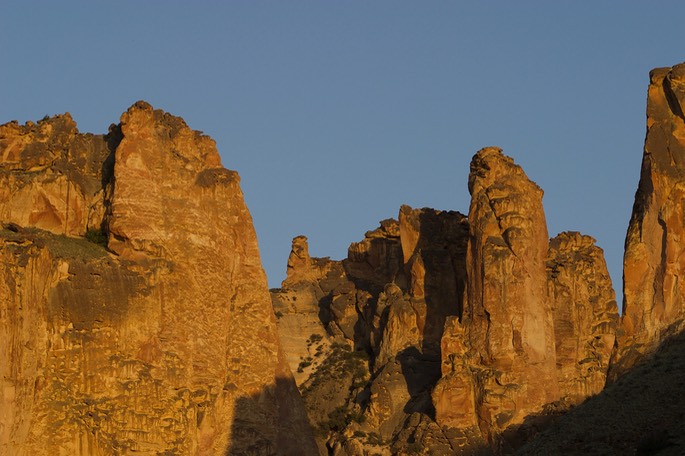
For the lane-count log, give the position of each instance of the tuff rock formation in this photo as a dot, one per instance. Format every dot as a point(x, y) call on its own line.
point(654, 257)
point(155, 334)
point(585, 314)
point(383, 309)
point(641, 409)
point(508, 320)
point(52, 176)
point(474, 329)
point(134, 316)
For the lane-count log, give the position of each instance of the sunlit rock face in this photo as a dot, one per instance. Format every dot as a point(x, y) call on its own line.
point(156, 335)
point(508, 318)
point(471, 326)
point(585, 314)
point(539, 318)
point(499, 361)
point(654, 258)
point(52, 177)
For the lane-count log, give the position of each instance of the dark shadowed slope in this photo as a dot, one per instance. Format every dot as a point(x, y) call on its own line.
point(643, 413)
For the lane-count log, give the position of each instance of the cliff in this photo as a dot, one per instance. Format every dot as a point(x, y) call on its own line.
point(654, 250)
point(154, 333)
point(135, 317)
point(446, 332)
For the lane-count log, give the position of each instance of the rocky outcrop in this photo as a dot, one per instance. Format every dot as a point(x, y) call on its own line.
point(640, 414)
point(155, 336)
point(134, 315)
point(654, 251)
point(52, 177)
point(434, 248)
point(483, 326)
point(388, 300)
point(585, 314)
point(508, 320)
point(301, 329)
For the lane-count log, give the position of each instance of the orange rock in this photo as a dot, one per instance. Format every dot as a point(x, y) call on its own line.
point(508, 320)
point(51, 175)
point(654, 258)
point(165, 343)
point(585, 314)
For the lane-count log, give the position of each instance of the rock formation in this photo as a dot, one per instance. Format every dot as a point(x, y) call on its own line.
point(472, 326)
point(383, 309)
point(508, 318)
point(134, 315)
point(642, 413)
point(156, 333)
point(52, 176)
point(655, 244)
point(585, 314)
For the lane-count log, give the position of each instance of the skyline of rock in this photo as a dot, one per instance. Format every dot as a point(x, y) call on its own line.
point(136, 316)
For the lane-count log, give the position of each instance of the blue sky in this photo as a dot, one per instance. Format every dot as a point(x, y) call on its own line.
point(336, 113)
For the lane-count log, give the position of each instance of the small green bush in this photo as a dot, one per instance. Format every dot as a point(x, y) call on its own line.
point(96, 236)
point(302, 365)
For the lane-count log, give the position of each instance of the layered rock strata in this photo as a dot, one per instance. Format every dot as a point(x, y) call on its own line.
point(155, 336)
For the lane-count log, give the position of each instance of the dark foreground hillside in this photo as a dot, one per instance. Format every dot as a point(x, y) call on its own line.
point(643, 413)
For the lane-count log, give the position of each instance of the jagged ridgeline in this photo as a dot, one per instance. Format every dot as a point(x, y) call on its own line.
point(135, 316)
point(463, 327)
point(470, 335)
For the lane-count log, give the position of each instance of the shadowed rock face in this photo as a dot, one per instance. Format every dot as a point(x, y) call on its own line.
point(387, 301)
point(655, 244)
point(508, 319)
point(165, 342)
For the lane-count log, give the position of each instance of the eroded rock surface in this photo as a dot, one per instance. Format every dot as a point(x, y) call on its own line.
point(52, 177)
point(480, 331)
point(164, 342)
point(655, 249)
point(508, 319)
point(585, 314)
point(383, 309)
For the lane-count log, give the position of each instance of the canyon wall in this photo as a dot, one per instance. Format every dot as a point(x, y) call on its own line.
point(655, 249)
point(154, 333)
point(462, 329)
point(135, 316)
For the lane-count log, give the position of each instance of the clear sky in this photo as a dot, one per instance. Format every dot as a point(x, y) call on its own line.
point(337, 112)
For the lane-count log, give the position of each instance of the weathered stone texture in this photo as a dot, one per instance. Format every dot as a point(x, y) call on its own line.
point(51, 176)
point(434, 248)
point(654, 258)
point(507, 318)
point(585, 314)
point(388, 299)
point(164, 343)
